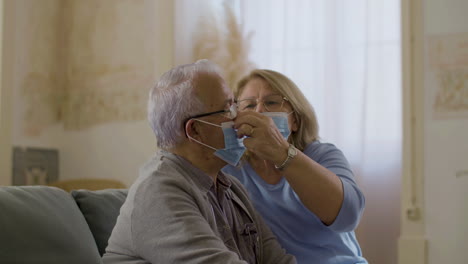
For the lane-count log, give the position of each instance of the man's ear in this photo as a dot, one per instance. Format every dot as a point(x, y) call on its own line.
point(191, 129)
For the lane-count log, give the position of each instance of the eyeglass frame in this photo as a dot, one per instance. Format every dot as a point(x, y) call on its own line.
point(211, 113)
point(283, 98)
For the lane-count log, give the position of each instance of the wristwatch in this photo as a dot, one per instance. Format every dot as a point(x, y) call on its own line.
point(292, 152)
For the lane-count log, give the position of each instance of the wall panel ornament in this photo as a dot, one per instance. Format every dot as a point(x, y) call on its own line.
point(104, 60)
point(448, 60)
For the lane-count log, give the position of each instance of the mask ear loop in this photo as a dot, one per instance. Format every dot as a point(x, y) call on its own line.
point(206, 122)
point(199, 142)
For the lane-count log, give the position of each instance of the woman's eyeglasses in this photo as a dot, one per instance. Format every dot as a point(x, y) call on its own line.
point(272, 103)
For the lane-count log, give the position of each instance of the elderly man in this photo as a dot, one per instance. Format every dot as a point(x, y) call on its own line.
point(182, 208)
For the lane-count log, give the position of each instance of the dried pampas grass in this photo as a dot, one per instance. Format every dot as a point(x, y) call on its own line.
point(222, 41)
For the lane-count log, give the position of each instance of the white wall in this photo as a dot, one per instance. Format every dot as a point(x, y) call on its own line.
point(114, 150)
point(446, 146)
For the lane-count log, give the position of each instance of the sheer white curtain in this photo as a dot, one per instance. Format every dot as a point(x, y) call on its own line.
point(345, 56)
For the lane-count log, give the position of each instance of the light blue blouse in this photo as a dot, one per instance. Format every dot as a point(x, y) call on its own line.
point(299, 230)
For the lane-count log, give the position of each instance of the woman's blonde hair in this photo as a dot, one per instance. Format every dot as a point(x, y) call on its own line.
point(303, 111)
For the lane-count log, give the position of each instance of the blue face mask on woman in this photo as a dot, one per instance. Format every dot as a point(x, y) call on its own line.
point(281, 122)
point(233, 146)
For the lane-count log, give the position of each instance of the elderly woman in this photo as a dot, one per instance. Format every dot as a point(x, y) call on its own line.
point(304, 189)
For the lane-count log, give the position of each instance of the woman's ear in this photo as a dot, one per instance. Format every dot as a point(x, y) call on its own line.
point(295, 122)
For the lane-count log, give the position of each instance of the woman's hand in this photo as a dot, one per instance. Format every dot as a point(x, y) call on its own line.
point(263, 138)
point(318, 188)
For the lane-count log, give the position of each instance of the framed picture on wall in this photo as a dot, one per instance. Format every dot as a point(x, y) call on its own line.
point(35, 166)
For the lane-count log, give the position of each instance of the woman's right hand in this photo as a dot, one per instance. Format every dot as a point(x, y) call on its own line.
point(263, 137)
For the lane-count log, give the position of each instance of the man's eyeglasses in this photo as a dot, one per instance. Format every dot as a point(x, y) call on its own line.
point(230, 113)
point(272, 103)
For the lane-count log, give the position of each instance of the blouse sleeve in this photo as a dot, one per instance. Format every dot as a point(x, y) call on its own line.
point(353, 204)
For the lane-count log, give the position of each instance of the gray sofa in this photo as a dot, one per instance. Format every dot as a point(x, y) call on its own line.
point(41, 224)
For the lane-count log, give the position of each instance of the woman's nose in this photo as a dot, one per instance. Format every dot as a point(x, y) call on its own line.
point(260, 107)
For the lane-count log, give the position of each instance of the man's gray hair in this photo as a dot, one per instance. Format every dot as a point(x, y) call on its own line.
point(172, 101)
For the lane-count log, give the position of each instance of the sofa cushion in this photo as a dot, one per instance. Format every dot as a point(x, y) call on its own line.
point(101, 209)
point(40, 224)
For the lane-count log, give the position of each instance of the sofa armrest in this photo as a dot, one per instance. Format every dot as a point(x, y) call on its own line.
point(41, 224)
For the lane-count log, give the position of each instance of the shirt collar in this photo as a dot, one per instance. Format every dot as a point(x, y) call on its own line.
point(202, 179)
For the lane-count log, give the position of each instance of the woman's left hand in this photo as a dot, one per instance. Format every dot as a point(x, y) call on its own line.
point(263, 137)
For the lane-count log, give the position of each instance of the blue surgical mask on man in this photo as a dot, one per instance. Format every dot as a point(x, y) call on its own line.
point(281, 122)
point(233, 147)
